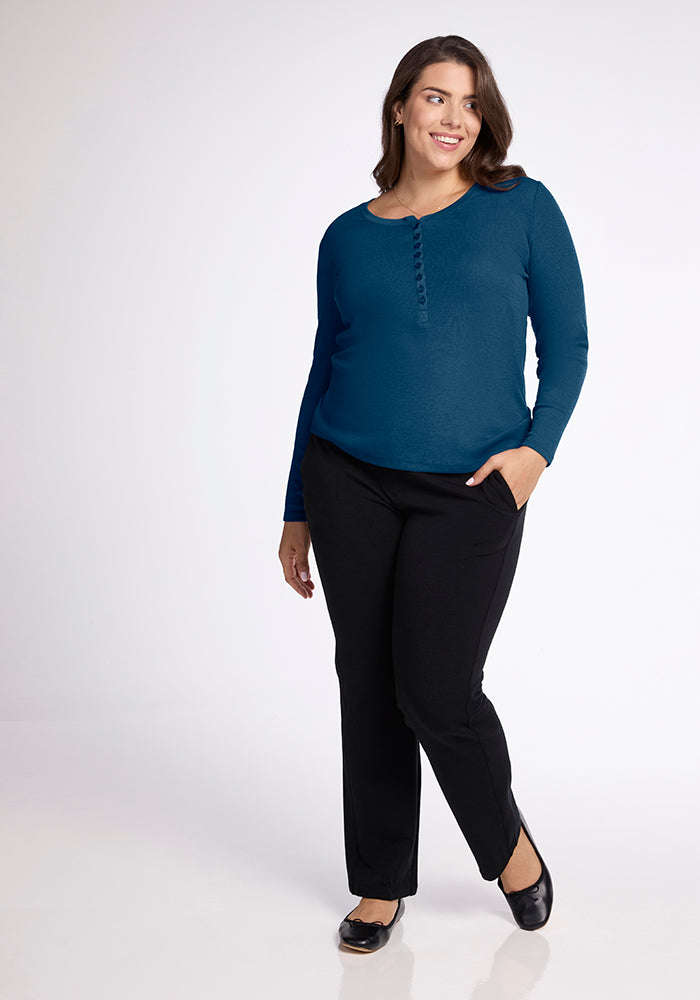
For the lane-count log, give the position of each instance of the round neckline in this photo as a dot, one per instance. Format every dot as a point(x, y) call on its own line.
point(412, 218)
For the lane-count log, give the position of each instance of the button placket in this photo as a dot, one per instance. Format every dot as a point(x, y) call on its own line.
point(419, 270)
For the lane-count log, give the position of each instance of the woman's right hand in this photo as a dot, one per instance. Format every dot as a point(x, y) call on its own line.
point(294, 556)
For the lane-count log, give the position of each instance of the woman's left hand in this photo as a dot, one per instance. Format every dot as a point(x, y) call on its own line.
point(520, 467)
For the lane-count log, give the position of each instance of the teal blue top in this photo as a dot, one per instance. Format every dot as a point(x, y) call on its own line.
point(419, 355)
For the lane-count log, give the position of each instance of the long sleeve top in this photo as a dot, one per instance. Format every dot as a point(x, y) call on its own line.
point(419, 355)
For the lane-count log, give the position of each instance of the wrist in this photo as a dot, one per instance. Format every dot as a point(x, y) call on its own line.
point(541, 460)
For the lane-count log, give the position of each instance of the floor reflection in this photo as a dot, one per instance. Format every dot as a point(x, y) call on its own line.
point(378, 975)
point(518, 964)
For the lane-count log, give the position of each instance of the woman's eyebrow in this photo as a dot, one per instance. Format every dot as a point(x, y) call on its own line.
point(467, 97)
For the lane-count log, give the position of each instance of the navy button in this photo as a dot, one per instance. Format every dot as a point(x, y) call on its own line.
point(418, 253)
point(422, 299)
point(421, 288)
point(419, 277)
point(418, 264)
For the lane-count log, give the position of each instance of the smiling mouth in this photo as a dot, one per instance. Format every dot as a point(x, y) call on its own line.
point(445, 141)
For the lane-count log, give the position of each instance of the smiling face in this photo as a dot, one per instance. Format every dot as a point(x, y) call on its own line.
point(441, 119)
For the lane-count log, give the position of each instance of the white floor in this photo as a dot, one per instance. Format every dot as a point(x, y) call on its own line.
point(138, 860)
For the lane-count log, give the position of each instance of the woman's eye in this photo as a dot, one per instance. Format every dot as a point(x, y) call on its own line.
point(469, 104)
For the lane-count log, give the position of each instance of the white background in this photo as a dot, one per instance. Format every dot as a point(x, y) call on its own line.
point(170, 745)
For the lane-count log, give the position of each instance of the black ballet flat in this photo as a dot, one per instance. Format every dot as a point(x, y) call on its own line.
point(531, 906)
point(363, 936)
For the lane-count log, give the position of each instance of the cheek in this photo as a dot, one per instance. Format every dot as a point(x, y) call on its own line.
point(424, 116)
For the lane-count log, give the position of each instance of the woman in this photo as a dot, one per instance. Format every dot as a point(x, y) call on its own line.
point(414, 459)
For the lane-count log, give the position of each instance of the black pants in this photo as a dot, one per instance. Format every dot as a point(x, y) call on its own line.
point(416, 569)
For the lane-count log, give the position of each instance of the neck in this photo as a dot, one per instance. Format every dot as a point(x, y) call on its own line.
point(428, 186)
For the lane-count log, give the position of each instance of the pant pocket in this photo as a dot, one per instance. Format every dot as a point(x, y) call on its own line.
point(499, 490)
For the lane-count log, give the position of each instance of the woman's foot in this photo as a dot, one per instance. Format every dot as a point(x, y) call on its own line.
point(524, 867)
point(369, 910)
point(528, 894)
point(362, 933)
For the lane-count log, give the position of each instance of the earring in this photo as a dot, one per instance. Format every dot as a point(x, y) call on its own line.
point(397, 122)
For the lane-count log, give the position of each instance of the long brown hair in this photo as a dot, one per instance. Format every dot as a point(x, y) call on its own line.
point(484, 161)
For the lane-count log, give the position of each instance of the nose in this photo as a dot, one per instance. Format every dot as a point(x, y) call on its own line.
point(450, 115)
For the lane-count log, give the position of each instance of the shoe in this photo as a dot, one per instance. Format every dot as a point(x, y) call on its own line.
point(531, 906)
point(362, 936)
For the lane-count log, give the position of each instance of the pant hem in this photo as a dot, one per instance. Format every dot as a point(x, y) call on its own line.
point(487, 876)
point(382, 892)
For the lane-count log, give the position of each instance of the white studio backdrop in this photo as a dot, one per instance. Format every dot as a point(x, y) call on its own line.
point(168, 171)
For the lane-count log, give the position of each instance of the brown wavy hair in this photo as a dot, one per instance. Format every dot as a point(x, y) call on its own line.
point(484, 161)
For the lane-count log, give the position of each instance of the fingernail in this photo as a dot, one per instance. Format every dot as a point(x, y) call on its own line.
point(304, 575)
point(470, 481)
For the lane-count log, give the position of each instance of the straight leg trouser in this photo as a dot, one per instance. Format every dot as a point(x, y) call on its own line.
point(416, 568)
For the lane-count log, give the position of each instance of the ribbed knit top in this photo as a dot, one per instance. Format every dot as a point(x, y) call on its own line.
point(419, 354)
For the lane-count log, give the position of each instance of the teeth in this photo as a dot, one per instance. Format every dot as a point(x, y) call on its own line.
point(446, 138)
